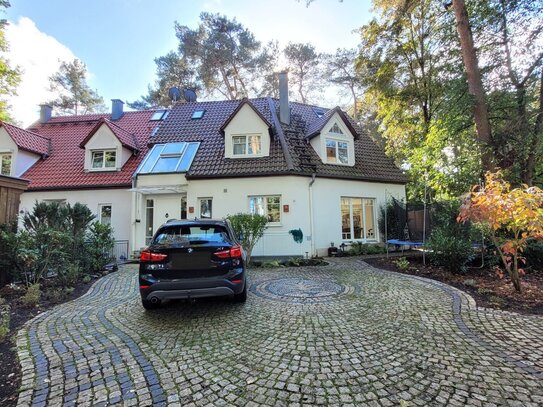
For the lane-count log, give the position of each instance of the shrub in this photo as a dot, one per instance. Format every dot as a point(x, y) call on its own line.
point(4, 320)
point(8, 252)
point(32, 296)
point(69, 276)
point(249, 228)
point(450, 251)
point(402, 263)
point(359, 249)
point(533, 253)
point(99, 246)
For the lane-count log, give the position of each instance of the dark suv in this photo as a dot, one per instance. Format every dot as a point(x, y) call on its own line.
point(192, 259)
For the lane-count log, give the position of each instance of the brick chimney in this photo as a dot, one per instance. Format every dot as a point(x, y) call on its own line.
point(45, 113)
point(116, 109)
point(284, 109)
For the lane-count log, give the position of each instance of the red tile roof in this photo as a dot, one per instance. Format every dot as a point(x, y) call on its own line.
point(64, 168)
point(27, 140)
point(126, 138)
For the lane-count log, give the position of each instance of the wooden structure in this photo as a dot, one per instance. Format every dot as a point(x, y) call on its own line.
point(10, 192)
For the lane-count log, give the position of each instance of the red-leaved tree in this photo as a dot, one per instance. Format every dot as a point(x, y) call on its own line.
point(512, 216)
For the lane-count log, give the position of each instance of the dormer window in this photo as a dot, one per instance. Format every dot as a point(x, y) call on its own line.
point(5, 163)
point(246, 145)
point(337, 152)
point(104, 159)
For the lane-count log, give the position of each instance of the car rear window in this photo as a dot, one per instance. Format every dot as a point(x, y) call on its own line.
point(181, 235)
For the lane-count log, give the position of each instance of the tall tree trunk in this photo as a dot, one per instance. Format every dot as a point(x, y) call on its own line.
point(475, 83)
point(536, 137)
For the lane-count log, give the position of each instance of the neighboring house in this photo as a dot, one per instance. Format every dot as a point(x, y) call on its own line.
point(301, 166)
point(88, 159)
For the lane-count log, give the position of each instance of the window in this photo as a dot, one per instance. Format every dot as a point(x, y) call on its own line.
point(181, 236)
point(198, 114)
point(319, 112)
point(103, 159)
point(104, 211)
point(171, 157)
point(5, 164)
point(268, 206)
point(206, 206)
point(246, 145)
point(183, 208)
point(337, 151)
point(159, 115)
point(149, 216)
point(357, 218)
point(335, 129)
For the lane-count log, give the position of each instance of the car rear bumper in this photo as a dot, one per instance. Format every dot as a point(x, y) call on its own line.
point(188, 294)
point(161, 289)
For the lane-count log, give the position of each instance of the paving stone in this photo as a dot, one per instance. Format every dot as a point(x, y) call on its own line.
point(342, 334)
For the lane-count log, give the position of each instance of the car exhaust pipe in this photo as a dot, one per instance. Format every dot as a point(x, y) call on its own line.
point(154, 300)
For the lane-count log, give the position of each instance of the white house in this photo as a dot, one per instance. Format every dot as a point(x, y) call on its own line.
point(305, 168)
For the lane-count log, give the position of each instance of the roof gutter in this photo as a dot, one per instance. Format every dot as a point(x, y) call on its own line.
point(280, 135)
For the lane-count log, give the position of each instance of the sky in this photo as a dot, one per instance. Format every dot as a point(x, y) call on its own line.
point(118, 40)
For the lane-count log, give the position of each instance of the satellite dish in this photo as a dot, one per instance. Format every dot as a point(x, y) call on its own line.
point(174, 94)
point(190, 95)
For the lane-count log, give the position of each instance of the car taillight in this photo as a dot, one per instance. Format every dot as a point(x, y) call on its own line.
point(232, 253)
point(147, 257)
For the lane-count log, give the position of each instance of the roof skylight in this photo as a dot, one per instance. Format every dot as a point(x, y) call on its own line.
point(319, 112)
point(198, 114)
point(159, 115)
point(170, 157)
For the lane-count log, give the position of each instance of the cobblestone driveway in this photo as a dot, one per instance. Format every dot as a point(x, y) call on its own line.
point(344, 334)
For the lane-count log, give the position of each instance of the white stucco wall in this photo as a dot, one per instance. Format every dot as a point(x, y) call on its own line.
point(327, 195)
point(119, 199)
point(246, 122)
point(231, 196)
point(24, 161)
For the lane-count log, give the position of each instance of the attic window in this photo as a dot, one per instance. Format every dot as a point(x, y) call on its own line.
point(5, 163)
point(319, 112)
point(170, 157)
point(103, 159)
point(159, 115)
point(335, 129)
point(198, 114)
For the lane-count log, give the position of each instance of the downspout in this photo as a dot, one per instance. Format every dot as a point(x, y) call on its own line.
point(311, 226)
point(134, 210)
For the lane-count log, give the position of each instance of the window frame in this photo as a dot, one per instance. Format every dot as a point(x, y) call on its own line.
point(5, 154)
point(337, 141)
point(246, 154)
point(364, 237)
point(100, 214)
point(104, 152)
point(210, 207)
point(252, 208)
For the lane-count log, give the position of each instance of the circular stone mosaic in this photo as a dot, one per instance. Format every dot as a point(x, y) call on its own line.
point(301, 290)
